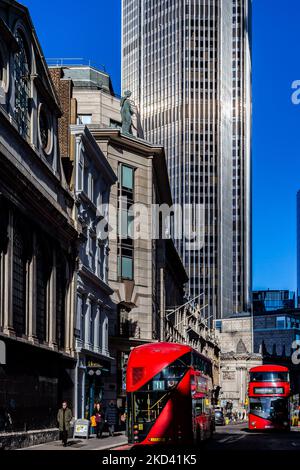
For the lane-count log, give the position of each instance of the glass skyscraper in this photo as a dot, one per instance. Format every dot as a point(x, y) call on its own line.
point(271, 300)
point(188, 65)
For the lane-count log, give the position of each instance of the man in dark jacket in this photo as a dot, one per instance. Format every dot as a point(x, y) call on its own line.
point(64, 417)
point(111, 416)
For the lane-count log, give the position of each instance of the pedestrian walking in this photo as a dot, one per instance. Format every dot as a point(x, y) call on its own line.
point(99, 420)
point(64, 418)
point(111, 416)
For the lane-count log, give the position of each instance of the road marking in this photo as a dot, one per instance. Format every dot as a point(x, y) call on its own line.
point(225, 440)
point(232, 439)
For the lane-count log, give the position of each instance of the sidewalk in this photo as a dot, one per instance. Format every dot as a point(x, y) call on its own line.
point(85, 444)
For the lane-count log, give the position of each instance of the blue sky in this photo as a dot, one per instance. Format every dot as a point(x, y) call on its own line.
point(91, 30)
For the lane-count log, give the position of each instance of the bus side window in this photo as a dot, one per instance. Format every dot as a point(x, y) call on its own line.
point(199, 409)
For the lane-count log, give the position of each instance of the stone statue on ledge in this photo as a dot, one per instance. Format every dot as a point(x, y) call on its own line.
point(126, 113)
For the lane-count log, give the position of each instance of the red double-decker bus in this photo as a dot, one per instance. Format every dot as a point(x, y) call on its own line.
point(269, 397)
point(168, 395)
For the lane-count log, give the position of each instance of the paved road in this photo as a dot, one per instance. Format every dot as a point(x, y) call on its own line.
point(232, 437)
point(238, 437)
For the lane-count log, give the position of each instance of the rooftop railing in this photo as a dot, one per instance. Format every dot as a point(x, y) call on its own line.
point(73, 62)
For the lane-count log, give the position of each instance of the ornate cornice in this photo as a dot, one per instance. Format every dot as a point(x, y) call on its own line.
point(240, 357)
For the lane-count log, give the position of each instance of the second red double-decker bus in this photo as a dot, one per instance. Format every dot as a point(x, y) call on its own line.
point(168, 395)
point(269, 397)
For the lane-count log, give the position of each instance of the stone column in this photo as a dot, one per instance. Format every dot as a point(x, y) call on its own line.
point(97, 328)
point(52, 303)
point(88, 313)
point(241, 383)
point(31, 295)
point(244, 383)
point(105, 333)
point(4, 247)
point(80, 311)
point(7, 264)
point(100, 327)
point(70, 312)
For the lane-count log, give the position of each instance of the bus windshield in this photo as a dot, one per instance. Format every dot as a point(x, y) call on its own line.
point(269, 377)
point(148, 406)
point(151, 398)
point(273, 409)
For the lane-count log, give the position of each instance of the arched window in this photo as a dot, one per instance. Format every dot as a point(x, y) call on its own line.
point(45, 134)
point(22, 87)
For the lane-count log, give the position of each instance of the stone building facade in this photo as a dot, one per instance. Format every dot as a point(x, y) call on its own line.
point(38, 237)
point(235, 336)
point(142, 179)
point(93, 178)
point(90, 177)
point(147, 276)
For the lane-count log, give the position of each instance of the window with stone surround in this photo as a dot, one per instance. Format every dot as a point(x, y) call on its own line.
point(19, 279)
point(125, 222)
point(22, 86)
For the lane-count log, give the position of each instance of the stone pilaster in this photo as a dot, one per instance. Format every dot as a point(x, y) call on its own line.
point(88, 313)
point(31, 295)
point(70, 314)
point(97, 329)
point(8, 280)
point(52, 304)
point(104, 331)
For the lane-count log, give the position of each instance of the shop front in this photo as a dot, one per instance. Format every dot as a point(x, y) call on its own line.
point(91, 388)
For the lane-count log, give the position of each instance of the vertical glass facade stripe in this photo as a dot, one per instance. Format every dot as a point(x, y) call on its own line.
point(182, 75)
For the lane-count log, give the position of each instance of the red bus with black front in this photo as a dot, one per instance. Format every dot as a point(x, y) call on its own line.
point(269, 397)
point(168, 388)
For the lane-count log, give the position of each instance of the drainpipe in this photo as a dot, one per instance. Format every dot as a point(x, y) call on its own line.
point(162, 304)
point(76, 387)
